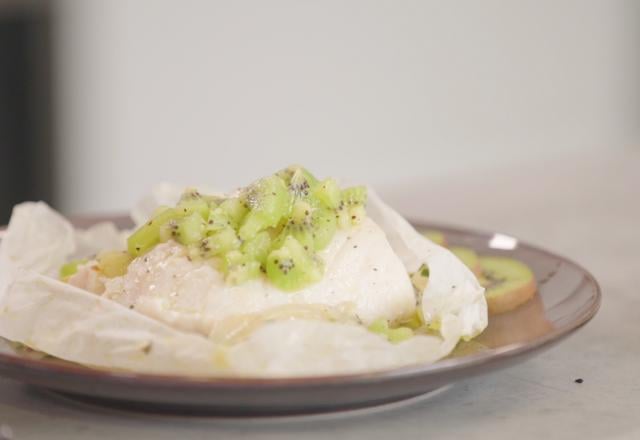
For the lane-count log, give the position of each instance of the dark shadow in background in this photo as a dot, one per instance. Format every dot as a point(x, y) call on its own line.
point(26, 142)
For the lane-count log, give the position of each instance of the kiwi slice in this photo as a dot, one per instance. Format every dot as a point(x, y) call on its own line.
point(508, 283)
point(469, 257)
point(436, 236)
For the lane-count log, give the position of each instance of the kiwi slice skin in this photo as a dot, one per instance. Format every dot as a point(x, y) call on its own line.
point(509, 283)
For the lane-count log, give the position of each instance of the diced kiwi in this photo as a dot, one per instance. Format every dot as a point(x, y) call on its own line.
point(399, 334)
point(356, 214)
point(113, 263)
point(191, 229)
point(343, 218)
point(258, 247)
point(469, 257)
point(190, 193)
point(298, 225)
point(324, 225)
point(379, 326)
point(169, 231)
point(355, 195)
point(395, 335)
point(242, 272)
point(234, 209)
point(301, 212)
point(328, 193)
point(191, 206)
point(436, 236)
point(289, 215)
point(218, 219)
point(312, 227)
point(219, 243)
point(269, 201)
point(232, 258)
point(508, 282)
point(148, 235)
point(301, 174)
point(351, 209)
point(70, 268)
point(301, 183)
point(291, 267)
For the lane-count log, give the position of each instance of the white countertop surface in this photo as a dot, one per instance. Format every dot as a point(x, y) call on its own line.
point(587, 208)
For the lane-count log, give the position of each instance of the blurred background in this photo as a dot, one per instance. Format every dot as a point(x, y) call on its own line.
point(99, 100)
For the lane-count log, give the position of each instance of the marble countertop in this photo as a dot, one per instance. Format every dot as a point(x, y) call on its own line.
point(584, 207)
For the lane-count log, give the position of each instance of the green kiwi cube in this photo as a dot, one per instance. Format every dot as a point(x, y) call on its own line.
point(356, 214)
point(291, 267)
point(324, 228)
point(268, 201)
point(328, 193)
point(356, 195)
point(301, 173)
point(190, 206)
point(218, 220)
point(148, 235)
point(243, 272)
point(379, 326)
point(113, 263)
point(234, 209)
point(399, 334)
point(222, 242)
point(302, 183)
point(191, 229)
point(258, 247)
point(70, 268)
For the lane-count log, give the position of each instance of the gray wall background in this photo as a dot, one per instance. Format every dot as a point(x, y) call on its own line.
point(388, 92)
